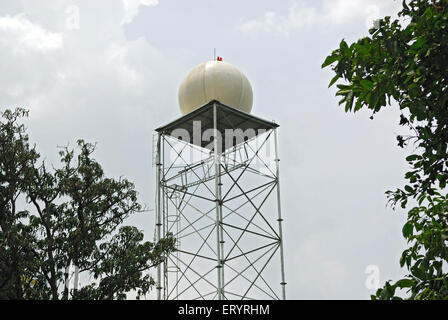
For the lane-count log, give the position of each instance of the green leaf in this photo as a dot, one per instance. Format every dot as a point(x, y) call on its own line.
point(367, 84)
point(344, 48)
point(333, 80)
point(358, 104)
point(330, 59)
point(405, 283)
point(412, 157)
point(407, 229)
point(418, 273)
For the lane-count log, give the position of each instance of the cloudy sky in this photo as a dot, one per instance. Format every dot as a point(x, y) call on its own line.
point(108, 71)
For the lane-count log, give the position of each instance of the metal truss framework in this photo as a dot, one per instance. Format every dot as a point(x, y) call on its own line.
point(224, 210)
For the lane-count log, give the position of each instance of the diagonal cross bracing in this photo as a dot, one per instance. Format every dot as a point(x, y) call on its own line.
point(244, 224)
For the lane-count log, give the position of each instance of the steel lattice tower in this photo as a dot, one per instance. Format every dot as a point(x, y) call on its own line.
point(220, 198)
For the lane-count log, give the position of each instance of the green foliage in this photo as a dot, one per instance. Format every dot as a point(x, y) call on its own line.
point(407, 62)
point(71, 216)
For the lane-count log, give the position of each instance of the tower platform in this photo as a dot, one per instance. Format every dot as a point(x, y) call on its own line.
point(228, 118)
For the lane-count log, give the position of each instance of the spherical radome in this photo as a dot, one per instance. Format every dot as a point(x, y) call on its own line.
point(215, 80)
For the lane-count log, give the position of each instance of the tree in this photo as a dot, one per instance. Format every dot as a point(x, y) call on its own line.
point(54, 219)
point(405, 60)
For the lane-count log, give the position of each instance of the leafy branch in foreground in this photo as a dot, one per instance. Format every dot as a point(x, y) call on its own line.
point(405, 61)
point(54, 219)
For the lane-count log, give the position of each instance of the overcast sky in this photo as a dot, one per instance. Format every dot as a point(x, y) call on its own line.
point(108, 71)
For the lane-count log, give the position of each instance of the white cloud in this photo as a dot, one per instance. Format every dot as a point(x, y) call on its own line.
point(43, 64)
point(89, 83)
point(272, 22)
point(132, 7)
point(330, 13)
point(18, 32)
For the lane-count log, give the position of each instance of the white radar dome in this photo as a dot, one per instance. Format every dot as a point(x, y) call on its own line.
point(215, 80)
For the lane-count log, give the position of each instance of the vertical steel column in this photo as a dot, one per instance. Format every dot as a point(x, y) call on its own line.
point(218, 200)
point(158, 213)
point(282, 260)
point(165, 213)
point(221, 226)
point(178, 203)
